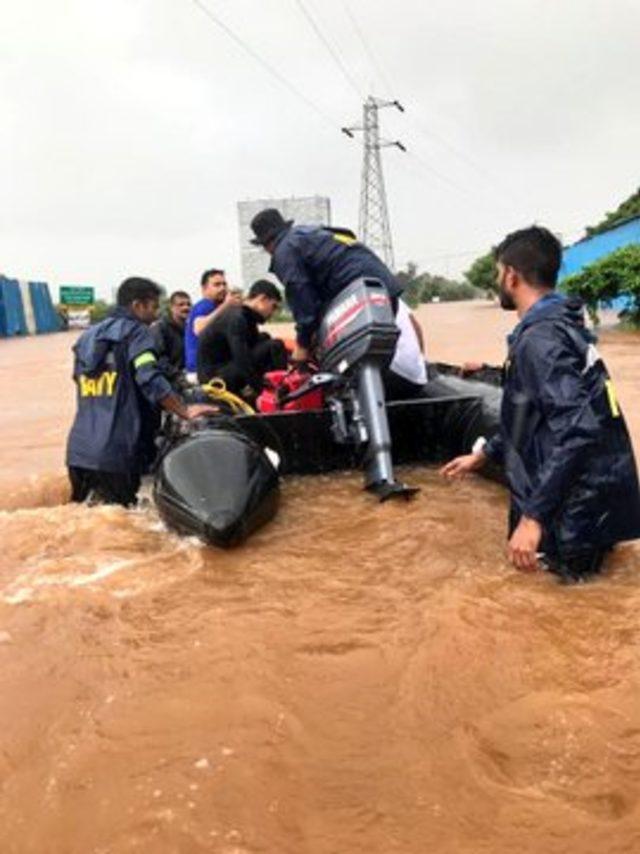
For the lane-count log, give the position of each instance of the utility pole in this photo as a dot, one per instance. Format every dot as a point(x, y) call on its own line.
point(374, 215)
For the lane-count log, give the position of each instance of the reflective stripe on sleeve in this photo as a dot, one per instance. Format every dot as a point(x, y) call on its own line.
point(146, 358)
point(613, 399)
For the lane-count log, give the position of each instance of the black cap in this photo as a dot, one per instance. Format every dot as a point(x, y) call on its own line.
point(268, 224)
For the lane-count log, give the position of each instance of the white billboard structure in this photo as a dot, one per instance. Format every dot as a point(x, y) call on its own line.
point(312, 210)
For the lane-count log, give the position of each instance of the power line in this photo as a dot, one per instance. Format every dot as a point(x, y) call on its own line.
point(473, 164)
point(334, 54)
point(429, 134)
point(369, 51)
point(263, 62)
point(451, 256)
point(423, 170)
point(439, 175)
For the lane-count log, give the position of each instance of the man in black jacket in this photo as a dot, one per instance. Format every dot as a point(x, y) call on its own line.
point(563, 441)
point(168, 334)
point(314, 264)
point(233, 349)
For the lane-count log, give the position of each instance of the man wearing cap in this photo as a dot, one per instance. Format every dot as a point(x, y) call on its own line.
point(315, 263)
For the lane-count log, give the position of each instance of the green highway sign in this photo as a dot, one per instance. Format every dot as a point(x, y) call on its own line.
point(76, 295)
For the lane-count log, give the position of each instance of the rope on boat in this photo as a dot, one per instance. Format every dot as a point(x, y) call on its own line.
point(217, 390)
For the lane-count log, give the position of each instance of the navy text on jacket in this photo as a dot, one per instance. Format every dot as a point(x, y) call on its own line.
point(119, 385)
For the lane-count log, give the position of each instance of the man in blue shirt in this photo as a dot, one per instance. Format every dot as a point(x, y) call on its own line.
point(563, 441)
point(120, 390)
point(215, 297)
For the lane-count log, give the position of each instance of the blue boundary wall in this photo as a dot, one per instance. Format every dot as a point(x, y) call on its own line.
point(590, 249)
point(46, 317)
point(12, 318)
point(26, 307)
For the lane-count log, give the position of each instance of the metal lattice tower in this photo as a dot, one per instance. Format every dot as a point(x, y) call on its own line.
point(374, 214)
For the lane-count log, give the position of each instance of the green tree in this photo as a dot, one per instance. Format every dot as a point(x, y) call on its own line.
point(616, 275)
point(629, 208)
point(99, 310)
point(411, 284)
point(425, 287)
point(482, 274)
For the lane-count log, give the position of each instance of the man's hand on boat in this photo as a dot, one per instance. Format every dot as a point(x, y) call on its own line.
point(460, 467)
point(197, 410)
point(172, 403)
point(300, 354)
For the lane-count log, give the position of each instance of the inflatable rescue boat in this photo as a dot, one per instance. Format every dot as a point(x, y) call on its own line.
point(219, 478)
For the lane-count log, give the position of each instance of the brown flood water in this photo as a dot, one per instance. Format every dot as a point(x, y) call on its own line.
point(358, 678)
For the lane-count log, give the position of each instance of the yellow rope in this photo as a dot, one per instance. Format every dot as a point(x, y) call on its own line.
point(217, 390)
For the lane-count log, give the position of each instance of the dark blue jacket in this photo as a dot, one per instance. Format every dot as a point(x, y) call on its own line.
point(119, 385)
point(563, 440)
point(315, 264)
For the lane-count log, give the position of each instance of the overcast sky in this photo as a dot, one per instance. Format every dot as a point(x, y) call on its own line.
point(129, 129)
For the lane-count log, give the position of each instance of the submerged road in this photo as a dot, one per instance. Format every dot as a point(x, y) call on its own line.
point(358, 679)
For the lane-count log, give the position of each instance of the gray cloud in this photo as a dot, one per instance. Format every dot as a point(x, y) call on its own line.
point(129, 131)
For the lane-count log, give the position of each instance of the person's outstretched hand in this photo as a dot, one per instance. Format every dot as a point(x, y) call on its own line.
point(462, 466)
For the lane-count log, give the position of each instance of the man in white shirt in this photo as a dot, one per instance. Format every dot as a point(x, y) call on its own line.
point(407, 375)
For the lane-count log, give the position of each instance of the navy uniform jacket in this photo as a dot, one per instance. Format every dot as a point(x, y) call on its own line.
point(315, 264)
point(119, 385)
point(563, 440)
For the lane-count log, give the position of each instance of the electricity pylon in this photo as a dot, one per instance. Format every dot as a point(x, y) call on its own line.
point(374, 215)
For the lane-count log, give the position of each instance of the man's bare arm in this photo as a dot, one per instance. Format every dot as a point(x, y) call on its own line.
point(201, 323)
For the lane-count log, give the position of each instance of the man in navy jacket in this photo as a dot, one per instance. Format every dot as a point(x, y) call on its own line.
point(120, 390)
point(314, 264)
point(563, 440)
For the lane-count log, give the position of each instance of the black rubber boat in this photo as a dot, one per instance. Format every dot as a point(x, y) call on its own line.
point(219, 479)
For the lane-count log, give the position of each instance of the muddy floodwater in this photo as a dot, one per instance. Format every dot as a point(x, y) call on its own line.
point(358, 679)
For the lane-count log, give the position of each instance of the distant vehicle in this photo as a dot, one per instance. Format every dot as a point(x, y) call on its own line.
point(78, 318)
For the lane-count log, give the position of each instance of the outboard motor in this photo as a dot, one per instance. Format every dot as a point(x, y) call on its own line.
point(356, 341)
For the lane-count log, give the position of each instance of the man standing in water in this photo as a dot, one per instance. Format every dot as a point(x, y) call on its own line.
point(563, 441)
point(120, 390)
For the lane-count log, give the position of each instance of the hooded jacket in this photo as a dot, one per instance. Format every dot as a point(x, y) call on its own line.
point(314, 264)
point(119, 385)
point(563, 440)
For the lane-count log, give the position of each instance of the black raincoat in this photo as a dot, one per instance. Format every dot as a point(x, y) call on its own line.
point(563, 440)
